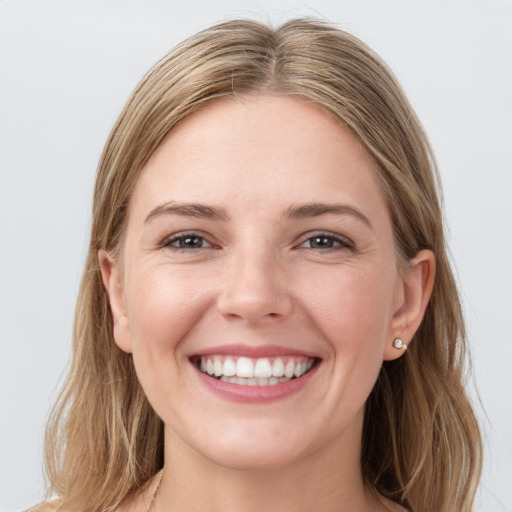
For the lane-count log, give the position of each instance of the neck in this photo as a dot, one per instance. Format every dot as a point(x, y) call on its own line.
point(327, 479)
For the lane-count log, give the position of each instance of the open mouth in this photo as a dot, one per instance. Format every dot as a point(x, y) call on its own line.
point(246, 371)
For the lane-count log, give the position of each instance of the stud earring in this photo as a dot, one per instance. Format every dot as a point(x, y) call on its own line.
point(399, 344)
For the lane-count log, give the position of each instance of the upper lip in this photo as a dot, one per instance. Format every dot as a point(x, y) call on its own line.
point(253, 351)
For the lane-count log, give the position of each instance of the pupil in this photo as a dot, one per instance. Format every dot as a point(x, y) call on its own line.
point(322, 241)
point(191, 241)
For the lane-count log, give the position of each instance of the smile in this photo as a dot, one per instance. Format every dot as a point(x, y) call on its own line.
point(246, 371)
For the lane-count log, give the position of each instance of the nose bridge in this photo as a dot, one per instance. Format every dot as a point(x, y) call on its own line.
point(254, 285)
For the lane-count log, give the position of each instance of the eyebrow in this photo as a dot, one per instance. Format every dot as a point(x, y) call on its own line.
point(316, 209)
point(303, 211)
point(196, 210)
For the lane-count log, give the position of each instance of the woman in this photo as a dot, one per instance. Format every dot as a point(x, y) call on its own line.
point(268, 318)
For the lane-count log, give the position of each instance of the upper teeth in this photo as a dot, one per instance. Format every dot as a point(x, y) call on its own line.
point(231, 366)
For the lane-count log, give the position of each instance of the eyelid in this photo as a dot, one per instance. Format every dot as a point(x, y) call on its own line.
point(170, 239)
point(343, 241)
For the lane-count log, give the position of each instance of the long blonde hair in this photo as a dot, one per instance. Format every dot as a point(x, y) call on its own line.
point(421, 443)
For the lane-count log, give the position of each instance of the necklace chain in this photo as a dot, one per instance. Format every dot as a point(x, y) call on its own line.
point(152, 500)
point(155, 492)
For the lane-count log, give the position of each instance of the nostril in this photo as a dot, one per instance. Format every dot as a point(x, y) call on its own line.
point(254, 307)
point(252, 292)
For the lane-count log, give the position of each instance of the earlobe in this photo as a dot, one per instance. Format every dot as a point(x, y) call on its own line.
point(415, 290)
point(110, 274)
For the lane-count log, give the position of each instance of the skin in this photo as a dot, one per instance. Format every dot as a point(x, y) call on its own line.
point(259, 277)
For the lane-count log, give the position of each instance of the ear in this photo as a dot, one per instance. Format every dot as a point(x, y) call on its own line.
point(412, 296)
point(112, 280)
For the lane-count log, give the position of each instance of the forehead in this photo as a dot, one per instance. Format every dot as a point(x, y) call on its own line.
point(259, 150)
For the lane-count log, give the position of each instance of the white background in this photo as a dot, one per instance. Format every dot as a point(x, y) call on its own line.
point(66, 69)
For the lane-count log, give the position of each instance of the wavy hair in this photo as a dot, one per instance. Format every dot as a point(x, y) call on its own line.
point(421, 442)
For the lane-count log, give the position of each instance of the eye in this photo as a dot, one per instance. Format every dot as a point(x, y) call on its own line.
point(326, 241)
point(186, 241)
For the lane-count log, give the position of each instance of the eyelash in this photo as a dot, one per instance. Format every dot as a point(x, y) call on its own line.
point(337, 242)
point(342, 242)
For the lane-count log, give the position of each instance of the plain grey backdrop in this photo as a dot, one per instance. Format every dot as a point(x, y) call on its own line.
point(66, 69)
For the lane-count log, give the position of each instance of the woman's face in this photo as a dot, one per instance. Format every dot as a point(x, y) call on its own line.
point(258, 288)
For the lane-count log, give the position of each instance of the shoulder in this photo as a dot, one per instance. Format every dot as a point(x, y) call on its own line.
point(44, 506)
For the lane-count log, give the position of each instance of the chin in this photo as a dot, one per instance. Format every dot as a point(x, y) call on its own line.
point(254, 457)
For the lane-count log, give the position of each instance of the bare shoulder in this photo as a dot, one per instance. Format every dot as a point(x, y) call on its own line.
point(137, 502)
point(45, 506)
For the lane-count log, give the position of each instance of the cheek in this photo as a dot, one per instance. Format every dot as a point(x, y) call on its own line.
point(163, 305)
point(351, 307)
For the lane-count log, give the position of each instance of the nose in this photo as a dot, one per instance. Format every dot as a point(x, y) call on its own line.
point(254, 289)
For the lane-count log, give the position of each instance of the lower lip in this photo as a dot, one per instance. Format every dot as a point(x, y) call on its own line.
point(256, 394)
